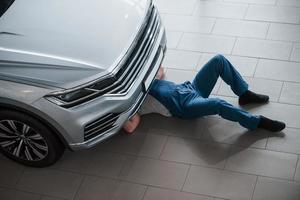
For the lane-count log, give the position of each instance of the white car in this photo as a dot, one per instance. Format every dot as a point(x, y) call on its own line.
point(72, 72)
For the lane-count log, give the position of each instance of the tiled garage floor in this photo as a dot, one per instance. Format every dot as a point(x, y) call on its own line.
point(204, 159)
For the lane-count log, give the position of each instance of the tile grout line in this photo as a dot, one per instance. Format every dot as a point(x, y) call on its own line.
point(268, 29)
point(291, 53)
point(234, 36)
point(280, 92)
point(144, 195)
point(198, 62)
point(117, 179)
point(164, 147)
point(186, 177)
point(213, 26)
point(234, 45)
point(19, 179)
point(254, 188)
point(227, 157)
point(256, 66)
point(237, 55)
point(180, 39)
point(294, 177)
point(186, 192)
point(246, 12)
point(252, 76)
point(81, 183)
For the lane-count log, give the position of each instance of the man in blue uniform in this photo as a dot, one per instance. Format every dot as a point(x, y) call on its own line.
point(191, 99)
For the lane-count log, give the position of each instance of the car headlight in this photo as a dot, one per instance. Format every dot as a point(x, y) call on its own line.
point(69, 98)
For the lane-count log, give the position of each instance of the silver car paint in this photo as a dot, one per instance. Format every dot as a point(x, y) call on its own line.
point(76, 65)
point(65, 43)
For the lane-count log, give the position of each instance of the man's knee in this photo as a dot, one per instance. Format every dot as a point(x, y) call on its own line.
point(218, 60)
point(219, 57)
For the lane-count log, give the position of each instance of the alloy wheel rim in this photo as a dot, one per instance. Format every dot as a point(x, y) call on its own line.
point(22, 141)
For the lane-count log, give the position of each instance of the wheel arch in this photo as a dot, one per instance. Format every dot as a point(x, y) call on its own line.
point(35, 113)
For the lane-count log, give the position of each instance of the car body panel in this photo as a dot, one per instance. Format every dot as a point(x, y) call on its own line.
point(36, 60)
point(66, 43)
point(77, 117)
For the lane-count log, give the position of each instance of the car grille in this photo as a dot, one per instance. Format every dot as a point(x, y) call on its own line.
point(121, 82)
point(100, 126)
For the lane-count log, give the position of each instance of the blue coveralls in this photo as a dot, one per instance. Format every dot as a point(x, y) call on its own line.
point(190, 100)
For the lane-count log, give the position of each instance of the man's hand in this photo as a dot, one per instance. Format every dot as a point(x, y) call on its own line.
point(132, 123)
point(160, 74)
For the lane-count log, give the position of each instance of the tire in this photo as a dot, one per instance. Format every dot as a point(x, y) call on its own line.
point(26, 140)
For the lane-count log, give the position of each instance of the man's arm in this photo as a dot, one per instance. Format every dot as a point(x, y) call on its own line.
point(134, 121)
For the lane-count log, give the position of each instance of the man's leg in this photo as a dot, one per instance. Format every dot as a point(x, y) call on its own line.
point(199, 107)
point(219, 66)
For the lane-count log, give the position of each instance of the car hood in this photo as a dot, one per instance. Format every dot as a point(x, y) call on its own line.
point(67, 43)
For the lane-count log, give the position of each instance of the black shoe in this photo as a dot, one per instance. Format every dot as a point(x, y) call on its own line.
point(252, 97)
point(270, 125)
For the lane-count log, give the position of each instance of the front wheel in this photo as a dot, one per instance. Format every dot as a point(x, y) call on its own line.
point(26, 140)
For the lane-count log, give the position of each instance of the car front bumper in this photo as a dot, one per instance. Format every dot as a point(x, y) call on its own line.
point(71, 122)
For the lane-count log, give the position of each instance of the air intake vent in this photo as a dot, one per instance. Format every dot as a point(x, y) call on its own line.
point(100, 126)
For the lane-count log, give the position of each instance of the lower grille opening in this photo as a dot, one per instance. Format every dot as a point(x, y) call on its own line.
point(100, 126)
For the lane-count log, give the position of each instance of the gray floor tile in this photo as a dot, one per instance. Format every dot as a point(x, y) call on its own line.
point(75, 161)
point(50, 198)
point(289, 143)
point(258, 85)
point(290, 93)
point(10, 172)
point(264, 2)
point(179, 76)
point(244, 65)
point(262, 162)
point(289, 3)
point(297, 174)
point(220, 183)
point(296, 52)
point(181, 59)
point(228, 132)
point(188, 23)
point(262, 48)
point(126, 143)
point(196, 152)
point(176, 6)
point(278, 70)
point(241, 28)
point(287, 32)
point(50, 182)
point(10, 194)
point(106, 164)
point(163, 194)
point(173, 38)
point(94, 188)
point(154, 172)
point(268, 188)
point(129, 191)
point(219, 9)
point(273, 13)
point(206, 43)
point(176, 127)
point(153, 145)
